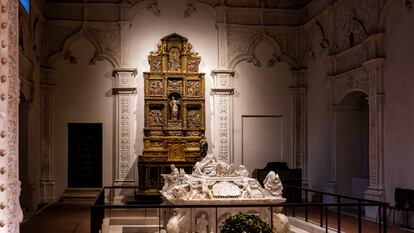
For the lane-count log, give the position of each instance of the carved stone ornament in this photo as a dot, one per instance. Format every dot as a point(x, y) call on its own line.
point(213, 181)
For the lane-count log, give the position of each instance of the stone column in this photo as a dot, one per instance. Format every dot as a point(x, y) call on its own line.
point(11, 213)
point(376, 190)
point(47, 181)
point(223, 114)
point(299, 119)
point(125, 94)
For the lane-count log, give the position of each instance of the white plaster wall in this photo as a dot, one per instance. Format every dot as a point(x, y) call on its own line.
point(147, 30)
point(318, 116)
point(399, 104)
point(83, 94)
point(263, 91)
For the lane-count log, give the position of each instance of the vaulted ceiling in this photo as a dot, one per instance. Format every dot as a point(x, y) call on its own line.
point(275, 4)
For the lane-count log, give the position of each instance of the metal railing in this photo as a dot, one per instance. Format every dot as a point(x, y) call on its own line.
point(103, 204)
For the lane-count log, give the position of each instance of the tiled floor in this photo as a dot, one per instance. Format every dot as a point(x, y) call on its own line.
point(74, 218)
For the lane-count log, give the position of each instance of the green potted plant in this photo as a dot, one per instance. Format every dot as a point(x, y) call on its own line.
point(243, 222)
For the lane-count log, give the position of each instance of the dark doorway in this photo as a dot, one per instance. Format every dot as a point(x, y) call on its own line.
point(26, 200)
point(85, 155)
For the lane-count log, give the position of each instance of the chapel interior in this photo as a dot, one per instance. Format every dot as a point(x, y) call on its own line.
point(324, 86)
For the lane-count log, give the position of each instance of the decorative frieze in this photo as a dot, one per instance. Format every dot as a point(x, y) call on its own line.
point(125, 92)
point(223, 106)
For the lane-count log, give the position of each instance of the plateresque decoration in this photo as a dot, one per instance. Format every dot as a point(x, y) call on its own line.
point(216, 183)
point(174, 110)
point(213, 181)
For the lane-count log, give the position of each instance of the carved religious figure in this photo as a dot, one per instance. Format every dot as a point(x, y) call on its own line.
point(273, 184)
point(174, 108)
point(174, 62)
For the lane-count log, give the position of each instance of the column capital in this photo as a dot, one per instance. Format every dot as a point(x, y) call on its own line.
point(117, 72)
point(124, 80)
point(229, 72)
point(222, 81)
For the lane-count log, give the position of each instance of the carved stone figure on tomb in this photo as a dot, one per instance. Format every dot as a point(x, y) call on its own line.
point(177, 223)
point(242, 171)
point(174, 108)
point(206, 167)
point(273, 184)
point(202, 224)
point(174, 170)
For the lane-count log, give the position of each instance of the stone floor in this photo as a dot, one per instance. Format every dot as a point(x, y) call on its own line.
point(74, 218)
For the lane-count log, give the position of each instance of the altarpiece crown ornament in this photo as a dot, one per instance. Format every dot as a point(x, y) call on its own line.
point(174, 110)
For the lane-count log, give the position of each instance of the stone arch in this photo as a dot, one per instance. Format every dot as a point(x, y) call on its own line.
point(355, 33)
point(278, 55)
point(347, 93)
point(149, 4)
point(83, 33)
point(316, 31)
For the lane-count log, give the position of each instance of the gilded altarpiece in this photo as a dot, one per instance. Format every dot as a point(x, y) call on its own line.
point(174, 110)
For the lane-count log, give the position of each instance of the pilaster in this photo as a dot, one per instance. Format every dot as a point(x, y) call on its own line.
point(376, 188)
point(222, 35)
point(125, 94)
point(299, 115)
point(47, 180)
point(125, 42)
point(223, 114)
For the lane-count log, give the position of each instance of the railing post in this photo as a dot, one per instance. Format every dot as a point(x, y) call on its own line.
point(93, 219)
point(216, 220)
point(271, 218)
point(326, 219)
point(379, 219)
point(321, 214)
point(338, 200)
point(359, 217)
point(306, 207)
point(384, 214)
